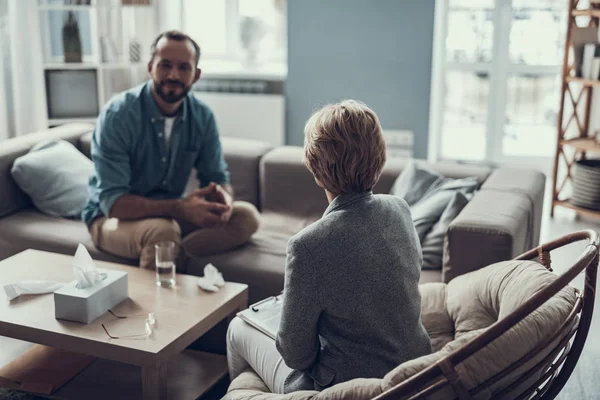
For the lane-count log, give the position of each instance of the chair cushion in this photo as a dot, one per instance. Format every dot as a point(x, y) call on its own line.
point(475, 301)
point(55, 175)
point(31, 229)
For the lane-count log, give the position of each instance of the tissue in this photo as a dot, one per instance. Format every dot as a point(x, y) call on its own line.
point(85, 270)
point(14, 290)
point(212, 279)
point(92, 293)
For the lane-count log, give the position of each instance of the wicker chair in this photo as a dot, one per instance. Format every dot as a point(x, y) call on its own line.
point(539, 372)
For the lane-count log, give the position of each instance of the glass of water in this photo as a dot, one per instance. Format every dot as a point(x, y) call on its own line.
point(165, 263)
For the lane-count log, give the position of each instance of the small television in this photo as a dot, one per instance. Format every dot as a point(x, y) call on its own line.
point(72, 93)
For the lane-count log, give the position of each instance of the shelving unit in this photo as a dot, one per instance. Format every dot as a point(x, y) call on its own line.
point(575, 140)
point(106, 30)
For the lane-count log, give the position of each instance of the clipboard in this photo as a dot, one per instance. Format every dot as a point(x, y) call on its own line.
point(264, 315)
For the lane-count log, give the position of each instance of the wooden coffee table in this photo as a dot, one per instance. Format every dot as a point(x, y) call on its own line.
point(183, 314)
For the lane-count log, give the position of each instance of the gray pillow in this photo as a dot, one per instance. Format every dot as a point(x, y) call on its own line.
point(428, 210)
point(414, 182)
point(55, 175)
point(433, 243)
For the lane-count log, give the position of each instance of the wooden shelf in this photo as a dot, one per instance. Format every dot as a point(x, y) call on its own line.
point(582, 144)
point(580, 210)
point(586, 13)
point(584, 82)
point(578, 97)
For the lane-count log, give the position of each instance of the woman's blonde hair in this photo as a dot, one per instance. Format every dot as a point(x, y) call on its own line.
point(344, 148)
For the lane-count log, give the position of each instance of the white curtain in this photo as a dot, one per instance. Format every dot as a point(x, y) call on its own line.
point(5, 123)
point(24, 90)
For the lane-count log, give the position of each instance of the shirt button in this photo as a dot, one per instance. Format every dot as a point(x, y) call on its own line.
point(165, 182)
point(152, 119)
point(159, 134)
point(164, 159)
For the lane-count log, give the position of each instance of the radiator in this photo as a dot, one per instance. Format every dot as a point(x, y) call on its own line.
point(246, 109)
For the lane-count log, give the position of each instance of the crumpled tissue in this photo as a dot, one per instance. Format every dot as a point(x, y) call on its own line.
point(212, 279)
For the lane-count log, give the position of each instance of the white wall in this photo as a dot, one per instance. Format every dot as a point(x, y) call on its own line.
point(248, 116)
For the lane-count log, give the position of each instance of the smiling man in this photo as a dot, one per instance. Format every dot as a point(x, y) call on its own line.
point(144, 146)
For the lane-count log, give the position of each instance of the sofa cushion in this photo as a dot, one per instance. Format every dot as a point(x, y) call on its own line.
point(527, 183)
point(55, 175)
point(32, 229)
point(494, 223)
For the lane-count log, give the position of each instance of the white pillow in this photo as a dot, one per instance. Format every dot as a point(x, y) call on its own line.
point(55, 175)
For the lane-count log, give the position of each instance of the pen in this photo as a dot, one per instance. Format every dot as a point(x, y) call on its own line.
point(254, 307)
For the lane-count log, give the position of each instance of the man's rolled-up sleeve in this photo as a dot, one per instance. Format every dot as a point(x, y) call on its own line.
point(210, 162)
point(110, 154)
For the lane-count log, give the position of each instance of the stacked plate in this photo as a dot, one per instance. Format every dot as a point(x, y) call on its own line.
point(586, 184)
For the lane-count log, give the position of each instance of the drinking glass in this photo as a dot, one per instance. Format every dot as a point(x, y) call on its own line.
point(165, 263)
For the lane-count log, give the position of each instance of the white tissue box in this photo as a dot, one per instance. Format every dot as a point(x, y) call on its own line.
point(85, 305)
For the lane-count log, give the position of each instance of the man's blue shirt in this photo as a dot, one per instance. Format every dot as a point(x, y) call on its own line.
point(131, 156)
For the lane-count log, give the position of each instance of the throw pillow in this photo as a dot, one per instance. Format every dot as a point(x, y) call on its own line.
point(428, 210)
point(433, 243)
point(414, 182)
point(55, 175)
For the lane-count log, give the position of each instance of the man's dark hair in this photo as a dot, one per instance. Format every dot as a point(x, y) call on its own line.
point(177, 36)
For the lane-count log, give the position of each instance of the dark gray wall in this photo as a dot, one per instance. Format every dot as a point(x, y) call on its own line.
point(376, 51)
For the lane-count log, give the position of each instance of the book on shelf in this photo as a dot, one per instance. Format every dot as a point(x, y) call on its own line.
point(582, 36)
point(595, 69)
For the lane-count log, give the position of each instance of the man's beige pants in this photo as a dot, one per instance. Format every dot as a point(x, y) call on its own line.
point(136, 238)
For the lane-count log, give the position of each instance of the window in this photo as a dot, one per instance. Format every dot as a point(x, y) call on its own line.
point(499, 85)
point(250, 30)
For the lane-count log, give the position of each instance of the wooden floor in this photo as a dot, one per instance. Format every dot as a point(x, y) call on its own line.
point(584, 384)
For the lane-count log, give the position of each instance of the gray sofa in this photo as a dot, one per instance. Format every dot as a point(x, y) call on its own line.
point(501, 221)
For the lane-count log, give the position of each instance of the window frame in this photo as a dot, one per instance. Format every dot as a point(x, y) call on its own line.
point(233, 49)
point(499, 68)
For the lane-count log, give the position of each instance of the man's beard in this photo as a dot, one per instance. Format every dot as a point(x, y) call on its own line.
point(169, 96)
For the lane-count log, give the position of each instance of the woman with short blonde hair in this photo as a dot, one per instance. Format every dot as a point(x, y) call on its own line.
point(344, 147)
point(351, 306)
